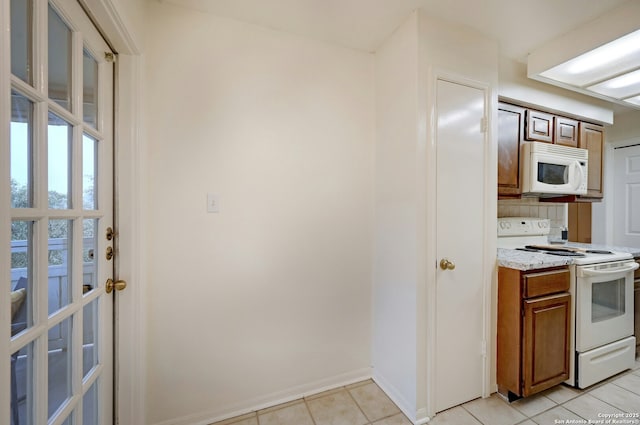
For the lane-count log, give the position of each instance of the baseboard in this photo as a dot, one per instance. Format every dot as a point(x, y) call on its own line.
point(422, 415)
point(417, 417)
point(273, 399)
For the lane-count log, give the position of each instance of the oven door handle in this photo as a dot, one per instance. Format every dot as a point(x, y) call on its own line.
point(589, 272)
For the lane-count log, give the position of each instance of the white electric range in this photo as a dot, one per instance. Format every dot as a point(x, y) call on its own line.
point(601, 299)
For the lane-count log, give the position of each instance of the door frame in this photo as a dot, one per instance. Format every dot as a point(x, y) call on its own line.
point(129, 208)
point(489, 241)
point(5, 196)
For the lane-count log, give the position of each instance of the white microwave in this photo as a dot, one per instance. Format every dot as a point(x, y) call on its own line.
point(550, 169)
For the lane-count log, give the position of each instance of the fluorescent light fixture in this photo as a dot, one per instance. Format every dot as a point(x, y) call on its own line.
point(600, 58)
point(633, 100)
point(606, 61)
point(620, 87)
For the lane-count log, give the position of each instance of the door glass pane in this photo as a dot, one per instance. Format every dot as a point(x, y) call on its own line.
point(59, 134)
point(89, 88)
point(607, 300)
point(21, 39)
point(21, 388)
point(21, 272)
point(59, 60)
point(89, 269)
point(89, 337)
point(59, 264)
point(21, 159)
point(89, 158)
point(90, 405)
point(59, 358)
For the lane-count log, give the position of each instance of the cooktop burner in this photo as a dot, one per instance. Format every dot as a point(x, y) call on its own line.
point(531, 234)
point(553, 252)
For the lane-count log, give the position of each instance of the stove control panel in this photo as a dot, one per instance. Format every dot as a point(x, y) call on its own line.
point(523, 226)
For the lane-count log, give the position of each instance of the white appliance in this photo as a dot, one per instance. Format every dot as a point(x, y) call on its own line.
point(602, 307)
point(604, 341)
point(552, 170)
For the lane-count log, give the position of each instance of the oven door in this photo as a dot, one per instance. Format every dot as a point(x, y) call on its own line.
point(604, 303)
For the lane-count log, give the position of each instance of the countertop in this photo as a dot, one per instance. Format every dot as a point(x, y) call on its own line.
point(524, 260)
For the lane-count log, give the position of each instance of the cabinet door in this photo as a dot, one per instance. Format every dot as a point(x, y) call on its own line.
point(510, 135)
point(539, 126)
point(592, 139)
point(546, 342)
point(566, 132)
point(579, 214)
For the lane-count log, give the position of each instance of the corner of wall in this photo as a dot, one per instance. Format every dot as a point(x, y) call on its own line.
point(394, 320)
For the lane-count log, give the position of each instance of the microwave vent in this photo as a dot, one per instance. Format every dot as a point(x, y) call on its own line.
point(566, 151)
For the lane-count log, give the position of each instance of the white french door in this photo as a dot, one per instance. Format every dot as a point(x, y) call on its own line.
point(57, 176)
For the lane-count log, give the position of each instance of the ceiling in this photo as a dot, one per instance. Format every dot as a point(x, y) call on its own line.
point(519, 25)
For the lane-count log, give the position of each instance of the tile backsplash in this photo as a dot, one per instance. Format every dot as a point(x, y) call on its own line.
point(532, 207)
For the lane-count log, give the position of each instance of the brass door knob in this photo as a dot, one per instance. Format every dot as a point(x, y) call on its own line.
point(118, 285)
point(447, 265)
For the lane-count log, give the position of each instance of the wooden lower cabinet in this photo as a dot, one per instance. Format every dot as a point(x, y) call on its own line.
point(534, 310)
point(546, 342)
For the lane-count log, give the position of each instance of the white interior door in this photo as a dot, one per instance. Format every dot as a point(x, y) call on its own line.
point(59, 363)
point(626, 208)
point(460, 240)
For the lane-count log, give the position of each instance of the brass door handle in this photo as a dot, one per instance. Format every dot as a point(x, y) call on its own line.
point(118, 285)
point(447, 265)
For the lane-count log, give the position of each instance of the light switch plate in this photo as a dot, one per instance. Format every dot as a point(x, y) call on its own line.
point(213, 203)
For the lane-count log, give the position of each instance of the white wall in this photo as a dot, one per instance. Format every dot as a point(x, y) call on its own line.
point(406, 65)
point(625, 127)
point(132, 13)
point(461, 53)
point(270, 298)
point(395, 277)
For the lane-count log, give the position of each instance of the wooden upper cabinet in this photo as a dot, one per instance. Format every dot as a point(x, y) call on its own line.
point(566, 131)
point(516, 125)
point(510, 136)
point(539, 126)
point(579, 215)
point(592, 139)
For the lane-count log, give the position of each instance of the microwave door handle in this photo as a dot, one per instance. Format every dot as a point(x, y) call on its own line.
point(578, 170)
point(630, 267)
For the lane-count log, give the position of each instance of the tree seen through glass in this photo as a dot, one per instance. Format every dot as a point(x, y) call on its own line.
point(57, 228)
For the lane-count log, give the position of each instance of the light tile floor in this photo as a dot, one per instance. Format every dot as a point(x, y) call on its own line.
point(364, 403)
